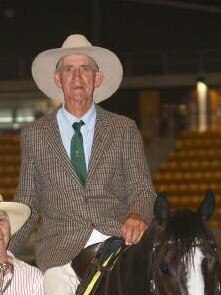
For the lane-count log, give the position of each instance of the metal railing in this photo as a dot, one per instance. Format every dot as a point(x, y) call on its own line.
point(172, 62)
point(135, 64)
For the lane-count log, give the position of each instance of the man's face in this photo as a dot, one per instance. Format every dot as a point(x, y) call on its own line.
point(5, 230)
point(77, 76)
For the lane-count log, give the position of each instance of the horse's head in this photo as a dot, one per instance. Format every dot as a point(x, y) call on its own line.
point(184, 251)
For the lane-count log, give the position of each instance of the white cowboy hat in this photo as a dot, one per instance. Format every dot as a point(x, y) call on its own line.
point(18, 214)
point(43, 67)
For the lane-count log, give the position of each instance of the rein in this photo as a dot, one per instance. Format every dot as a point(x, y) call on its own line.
point(109, 256)
point(117, 263)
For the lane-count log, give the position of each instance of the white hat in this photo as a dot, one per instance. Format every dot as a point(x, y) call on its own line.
point(44, 65)
point(18, 214)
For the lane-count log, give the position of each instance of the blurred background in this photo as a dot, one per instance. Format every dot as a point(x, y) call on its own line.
point(171, 54)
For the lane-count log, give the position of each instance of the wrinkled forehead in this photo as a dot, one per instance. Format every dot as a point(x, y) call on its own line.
point(72, 58)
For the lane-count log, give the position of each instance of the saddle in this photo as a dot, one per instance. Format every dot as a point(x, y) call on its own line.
point(94, 262)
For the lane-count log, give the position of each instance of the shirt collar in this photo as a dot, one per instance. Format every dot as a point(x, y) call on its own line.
point(14, 260)
point(88, 118)
point(18, 264)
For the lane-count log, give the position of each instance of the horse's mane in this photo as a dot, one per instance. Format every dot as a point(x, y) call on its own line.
point(183, 231)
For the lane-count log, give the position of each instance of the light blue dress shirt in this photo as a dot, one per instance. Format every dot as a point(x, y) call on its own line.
point(65, 122)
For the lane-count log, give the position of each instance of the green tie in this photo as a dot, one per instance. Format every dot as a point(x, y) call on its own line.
point(77, 153)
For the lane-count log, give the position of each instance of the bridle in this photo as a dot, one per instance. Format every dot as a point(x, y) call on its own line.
point(152, 287)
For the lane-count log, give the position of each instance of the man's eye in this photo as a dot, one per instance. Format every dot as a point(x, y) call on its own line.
point(68, 69)
point(85, 68)
point(3, 219)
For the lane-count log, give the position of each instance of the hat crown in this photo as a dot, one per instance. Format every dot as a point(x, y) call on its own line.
point(44, 65)
point(75, 41)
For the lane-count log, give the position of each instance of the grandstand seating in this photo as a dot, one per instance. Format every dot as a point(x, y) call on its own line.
point(192, 168)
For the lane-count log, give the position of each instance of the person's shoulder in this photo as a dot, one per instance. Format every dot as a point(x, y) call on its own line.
point(40, 123)
point(28, 269)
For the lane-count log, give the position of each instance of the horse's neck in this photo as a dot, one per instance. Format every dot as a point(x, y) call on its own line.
point(134, 269)
point(138, 257)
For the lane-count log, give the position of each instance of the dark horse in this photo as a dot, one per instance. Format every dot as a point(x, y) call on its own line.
point(177, 255)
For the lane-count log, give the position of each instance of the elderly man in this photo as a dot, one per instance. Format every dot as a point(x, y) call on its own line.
point(83, 168)
point(16, 276)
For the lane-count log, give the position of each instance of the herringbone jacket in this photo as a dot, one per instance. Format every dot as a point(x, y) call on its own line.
point(118, 183)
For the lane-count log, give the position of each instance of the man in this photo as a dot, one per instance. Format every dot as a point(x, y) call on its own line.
point(83, 168)
point(16, 276)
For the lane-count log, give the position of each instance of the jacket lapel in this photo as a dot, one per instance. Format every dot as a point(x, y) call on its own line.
point(100, 141)
point(52, 135)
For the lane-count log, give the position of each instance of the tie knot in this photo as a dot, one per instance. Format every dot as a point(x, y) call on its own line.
point(77, 125)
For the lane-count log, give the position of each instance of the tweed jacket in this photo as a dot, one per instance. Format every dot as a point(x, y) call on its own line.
point(118, 183)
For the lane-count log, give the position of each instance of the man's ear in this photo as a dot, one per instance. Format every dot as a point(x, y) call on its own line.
point(57, 79)
point(98, 79)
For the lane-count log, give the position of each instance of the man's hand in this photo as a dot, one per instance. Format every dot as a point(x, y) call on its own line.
point(133, 228)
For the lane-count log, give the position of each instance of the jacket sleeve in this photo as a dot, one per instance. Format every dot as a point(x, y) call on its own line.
point(139, 187)
point(25, 193)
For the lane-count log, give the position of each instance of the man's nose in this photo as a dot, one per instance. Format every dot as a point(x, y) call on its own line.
point(76, 74)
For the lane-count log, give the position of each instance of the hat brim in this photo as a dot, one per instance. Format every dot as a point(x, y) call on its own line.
point(43, 68)
point(18, 214)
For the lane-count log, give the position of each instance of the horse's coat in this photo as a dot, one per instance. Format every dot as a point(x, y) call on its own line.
point(176, 256)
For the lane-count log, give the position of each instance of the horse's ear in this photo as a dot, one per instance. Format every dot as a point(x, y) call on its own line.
point(161, 208)
point(207, 206)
